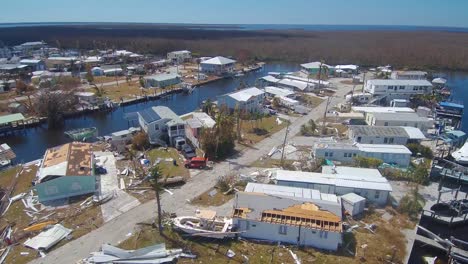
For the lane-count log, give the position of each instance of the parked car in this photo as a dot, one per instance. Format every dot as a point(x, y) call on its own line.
point(196, 162)
point(100, 170)
point(188, 152)
point(179, 142)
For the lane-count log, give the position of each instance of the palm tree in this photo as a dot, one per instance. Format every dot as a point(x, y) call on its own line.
point(208, 106)
point(157, 187)
point(99, 91)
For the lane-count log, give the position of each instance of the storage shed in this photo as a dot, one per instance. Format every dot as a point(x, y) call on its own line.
point(353, 203)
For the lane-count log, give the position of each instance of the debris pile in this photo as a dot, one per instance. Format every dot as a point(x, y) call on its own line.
point(152, 254)
point(46, 239)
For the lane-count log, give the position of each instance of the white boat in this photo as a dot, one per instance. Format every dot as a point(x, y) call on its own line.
point(461, 155)
point(205, 224)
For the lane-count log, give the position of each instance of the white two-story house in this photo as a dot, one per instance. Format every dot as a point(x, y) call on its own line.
point(249, 100)
point(397, 89)
point(161, 124)
point(218, 66)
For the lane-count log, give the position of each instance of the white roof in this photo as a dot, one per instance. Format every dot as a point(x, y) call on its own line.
point(63, 58)
point(353, 198)
point(270, 78)
point(93, 59)
point(180, 52)
point(347, 67)
point(383, 148)
point(306, 80)
point(245, 94)
point(329, 202)
point(121, 133)
point(113, 70)
point(204, 118)
point(398, 82)
point(461, 155)
point(351, 171)
point(289, 100)
point(439, 81)
point(314, 65)
point(123, 52)
point(411, 72)
point(219, 60)
point(338, 180)
point(378, 109)
point(297, 84)
point(30, 61)
point(414, 133)
point(278, 91)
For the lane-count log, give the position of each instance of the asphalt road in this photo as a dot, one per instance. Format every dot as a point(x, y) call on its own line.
point(119, 228)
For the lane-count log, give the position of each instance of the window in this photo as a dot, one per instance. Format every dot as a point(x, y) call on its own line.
point(402, 87)
point(173, 128)
point(354, 154)
point(385, 140)
point(345, 155)
point(326, 154)
point(359, 139)
point(377, 194)
point(156, 127)
point(386, 124)
point(283, 230)
point(390, 141)
point(331, 154)
point(181, 126)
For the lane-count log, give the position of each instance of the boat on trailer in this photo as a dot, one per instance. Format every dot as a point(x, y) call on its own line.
point(205, 223)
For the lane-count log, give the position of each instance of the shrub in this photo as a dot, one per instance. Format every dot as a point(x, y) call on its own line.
point(140, 141)
point(365, 162)
point(410, 204)
point(425, 152)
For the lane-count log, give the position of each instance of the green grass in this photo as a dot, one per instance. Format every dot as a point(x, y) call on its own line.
point(254, 131)
point(167, 167)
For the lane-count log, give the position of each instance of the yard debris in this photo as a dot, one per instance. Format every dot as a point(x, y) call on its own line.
point(169, 192)
point(152, 254)
point(46, 239)
point(230, 253)
point(295, 257)
point(39, 226)
point(4, 254)
point(370, 227)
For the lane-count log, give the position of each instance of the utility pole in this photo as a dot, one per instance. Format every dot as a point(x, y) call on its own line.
point(325, 114)
point(363, 82)
point(284, 143)
point(352, 95)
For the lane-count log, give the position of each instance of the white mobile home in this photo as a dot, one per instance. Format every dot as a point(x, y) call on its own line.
point(399, 119)
point(384, 134)
point(397, 88)
point(162, 80)
point(290, 215)
point(347, 152)
point(367, 183)
point(272, 91)
point(249, 100)
point(409, 75)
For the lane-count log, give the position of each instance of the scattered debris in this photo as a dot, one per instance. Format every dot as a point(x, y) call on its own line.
point(46, 239)
point(295, 257)
point(24, 253)
point(152, 254)
point(213, 192)
point(230, 253)
point(169, 192)
point(4, 254)
point(39, 226)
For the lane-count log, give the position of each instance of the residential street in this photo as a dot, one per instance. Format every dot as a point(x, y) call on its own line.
point(118, 229)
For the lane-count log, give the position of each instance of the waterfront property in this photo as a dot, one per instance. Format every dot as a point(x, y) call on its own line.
point(367, 183)
point(218, 66)
point(298, 216)
point(392, 135)
point(6, 154)
point(34, 64)
point(313, 68)
point(66, 171)
point(179, 56)
point(399, 119)
point(88, 98)
point(162, 80)
point(346, 70)
point(398, 155)
point(195, 124)
point(381, 109)
point(400, 89)
point(249, 100)
point(272, 91)
point(450, 111)
point(409, 75)
point(455, 138)
point(161, 124)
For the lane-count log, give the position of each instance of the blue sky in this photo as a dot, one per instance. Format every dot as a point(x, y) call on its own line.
point(335, 12)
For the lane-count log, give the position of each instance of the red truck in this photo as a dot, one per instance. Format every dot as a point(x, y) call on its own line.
point(196, 162)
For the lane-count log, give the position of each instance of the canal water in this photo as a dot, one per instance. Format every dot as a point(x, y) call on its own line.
point(31, 143)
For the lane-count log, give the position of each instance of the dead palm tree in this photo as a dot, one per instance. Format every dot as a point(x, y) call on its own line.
point(156, 184)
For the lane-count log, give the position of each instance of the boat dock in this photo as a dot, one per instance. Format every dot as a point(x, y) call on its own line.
point(456, 249)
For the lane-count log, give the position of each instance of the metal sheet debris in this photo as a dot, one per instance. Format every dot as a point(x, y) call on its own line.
point(152, 254)
point(48, 238)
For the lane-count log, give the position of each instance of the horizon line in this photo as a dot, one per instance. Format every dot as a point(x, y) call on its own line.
point(230, 24)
